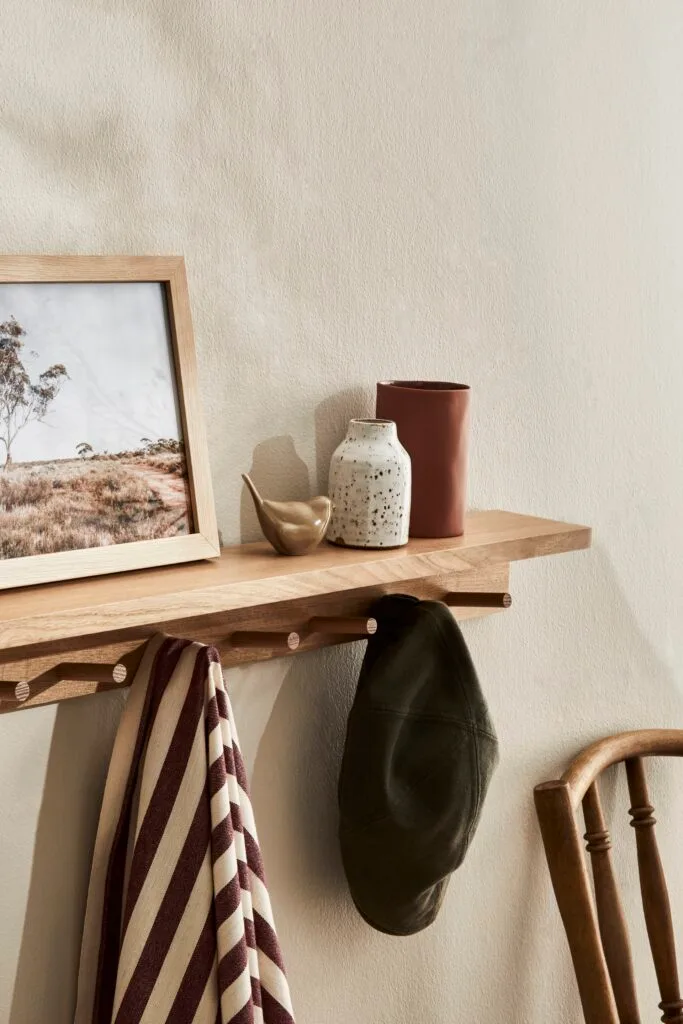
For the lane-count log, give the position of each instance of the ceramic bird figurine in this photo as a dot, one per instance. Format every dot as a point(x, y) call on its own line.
point(292, 527)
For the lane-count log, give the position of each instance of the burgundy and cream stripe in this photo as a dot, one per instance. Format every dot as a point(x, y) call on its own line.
point(179, 927)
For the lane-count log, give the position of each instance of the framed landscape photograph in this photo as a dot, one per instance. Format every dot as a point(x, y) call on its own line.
point(103, 460)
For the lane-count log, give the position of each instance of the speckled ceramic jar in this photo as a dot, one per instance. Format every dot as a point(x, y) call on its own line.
point(370, 487)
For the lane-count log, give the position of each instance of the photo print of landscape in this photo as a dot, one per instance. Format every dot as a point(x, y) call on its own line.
point(91, 451)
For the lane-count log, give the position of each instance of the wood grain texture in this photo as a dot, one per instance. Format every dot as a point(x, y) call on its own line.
point(602, 957)
point(592, 761)
point(253, 576)
point(28, 268)
point(251, 588)
point(569, 877)
point(37, 660)
point(190, 407)
point(203, 542)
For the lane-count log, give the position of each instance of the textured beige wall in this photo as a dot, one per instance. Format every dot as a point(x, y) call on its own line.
point(487, 190)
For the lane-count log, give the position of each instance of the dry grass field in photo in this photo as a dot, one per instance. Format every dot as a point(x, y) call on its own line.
point(92, 501)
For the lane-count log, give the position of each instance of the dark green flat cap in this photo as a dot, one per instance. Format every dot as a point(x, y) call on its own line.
point(420, 752)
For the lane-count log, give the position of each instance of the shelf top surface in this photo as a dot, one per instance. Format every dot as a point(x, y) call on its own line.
point(250, 575)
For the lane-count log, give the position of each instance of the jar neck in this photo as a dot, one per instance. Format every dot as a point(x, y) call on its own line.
point(372, 430)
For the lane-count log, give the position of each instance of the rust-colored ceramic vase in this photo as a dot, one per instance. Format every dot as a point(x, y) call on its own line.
point(433, 422)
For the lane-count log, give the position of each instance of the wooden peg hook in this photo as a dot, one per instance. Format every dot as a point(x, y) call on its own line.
point(327, 625)
point(263, 639)
point(360, 626)
point(82, 672)
point(472, 599)
point(104, 676)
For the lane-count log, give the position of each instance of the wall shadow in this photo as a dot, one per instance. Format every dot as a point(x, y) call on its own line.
point(279, 474)
point(331, 420)
point(47, 967)
point(294, 783)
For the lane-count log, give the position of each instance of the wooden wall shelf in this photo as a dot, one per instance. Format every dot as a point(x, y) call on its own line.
point(252, 588)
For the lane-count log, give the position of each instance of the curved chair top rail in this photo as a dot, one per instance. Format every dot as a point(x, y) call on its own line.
point(585, 768)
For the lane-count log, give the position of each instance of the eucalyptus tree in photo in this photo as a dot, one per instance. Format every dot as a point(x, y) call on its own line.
point(22, 401)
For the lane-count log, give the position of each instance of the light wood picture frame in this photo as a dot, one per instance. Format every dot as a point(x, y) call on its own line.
point(131, 494)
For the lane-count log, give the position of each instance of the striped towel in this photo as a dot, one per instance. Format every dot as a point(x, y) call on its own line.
point(178, 925)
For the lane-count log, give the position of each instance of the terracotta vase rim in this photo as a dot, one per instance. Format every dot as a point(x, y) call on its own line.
point(432, 386)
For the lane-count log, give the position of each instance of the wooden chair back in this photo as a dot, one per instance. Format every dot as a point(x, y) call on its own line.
point(597, 931)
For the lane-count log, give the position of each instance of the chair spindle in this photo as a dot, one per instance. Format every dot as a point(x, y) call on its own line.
point(611, 918)
point(656, 905)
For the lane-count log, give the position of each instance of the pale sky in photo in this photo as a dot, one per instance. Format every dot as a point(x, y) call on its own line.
point(113, 341)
